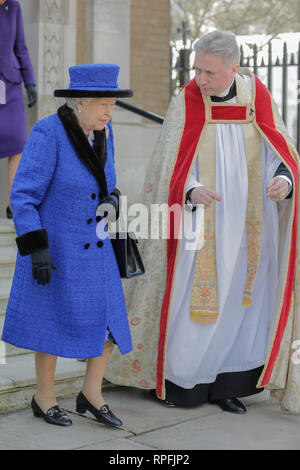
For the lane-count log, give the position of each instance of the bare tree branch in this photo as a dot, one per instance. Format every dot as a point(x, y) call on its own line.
point(240, 16)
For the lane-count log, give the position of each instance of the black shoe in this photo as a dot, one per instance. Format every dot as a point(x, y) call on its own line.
point(164, 402)
point(55, 415)
point(104, 415)
point(9, 213)
point(233, 405)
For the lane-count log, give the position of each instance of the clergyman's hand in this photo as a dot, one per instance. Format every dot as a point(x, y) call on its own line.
point(278, 189)
point(204, 195)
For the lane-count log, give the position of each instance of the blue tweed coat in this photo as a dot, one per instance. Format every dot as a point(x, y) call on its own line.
point(54, 190)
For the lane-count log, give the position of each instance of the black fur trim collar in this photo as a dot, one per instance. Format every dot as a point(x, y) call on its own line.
point(93, 157)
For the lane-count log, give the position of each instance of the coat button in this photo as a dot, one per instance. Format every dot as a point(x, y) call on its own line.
point(99, 243)
point(98, 218)
point(86, 246)
point(89, 221)
point(93, 196)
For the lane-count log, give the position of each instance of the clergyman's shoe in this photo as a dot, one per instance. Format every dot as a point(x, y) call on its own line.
point(103, 415)
point(164, 402)
point(233, 405)
point(55, 415)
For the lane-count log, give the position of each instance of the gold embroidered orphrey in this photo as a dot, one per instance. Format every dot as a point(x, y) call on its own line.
point(204, 297)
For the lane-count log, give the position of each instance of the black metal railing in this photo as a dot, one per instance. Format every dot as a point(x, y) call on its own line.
point(287, 60)
point(141, 112)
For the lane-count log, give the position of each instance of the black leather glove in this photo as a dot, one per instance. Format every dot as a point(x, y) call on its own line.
point(113, 200)
point(41, 266)
point(32, 95)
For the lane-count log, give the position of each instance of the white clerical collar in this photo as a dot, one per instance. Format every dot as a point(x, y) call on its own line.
point(224, 93)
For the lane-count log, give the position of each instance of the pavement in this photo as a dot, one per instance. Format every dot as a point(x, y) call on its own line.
point(151, 426)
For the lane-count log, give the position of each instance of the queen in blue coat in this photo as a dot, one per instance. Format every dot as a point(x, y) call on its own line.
point(66, 298)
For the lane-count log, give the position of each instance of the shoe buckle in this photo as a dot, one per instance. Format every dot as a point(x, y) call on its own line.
point(56, 411)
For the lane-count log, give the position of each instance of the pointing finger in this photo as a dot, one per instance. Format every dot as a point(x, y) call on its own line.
point(214, 195)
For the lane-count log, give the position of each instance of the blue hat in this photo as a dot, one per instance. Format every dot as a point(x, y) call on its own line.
point(94, 81)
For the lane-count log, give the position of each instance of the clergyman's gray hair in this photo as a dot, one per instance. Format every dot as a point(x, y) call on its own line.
point(220, 43)
point(73, 102)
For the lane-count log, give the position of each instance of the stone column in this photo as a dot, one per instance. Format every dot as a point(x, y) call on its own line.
point(57, 50)
point(30, 10)
point(50, 29)
point(108, 34)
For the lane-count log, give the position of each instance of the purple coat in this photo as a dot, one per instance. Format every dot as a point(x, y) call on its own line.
point(15, 62)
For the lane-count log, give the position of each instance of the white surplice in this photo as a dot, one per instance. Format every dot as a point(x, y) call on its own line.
point(198, 352)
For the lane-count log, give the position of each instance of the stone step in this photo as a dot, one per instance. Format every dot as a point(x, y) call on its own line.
point(3, 305)
point(5, 286)
point(6, 225)
point(9, 349)
point(7, 271)
point(8, 255)
point(8, 250)
point(7, 233)
point(7, 239)
point(17, 380)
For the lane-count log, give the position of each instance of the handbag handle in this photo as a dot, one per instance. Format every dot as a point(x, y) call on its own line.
point(121, 220)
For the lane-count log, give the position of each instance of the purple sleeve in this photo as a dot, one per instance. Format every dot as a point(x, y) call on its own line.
point(21, 51)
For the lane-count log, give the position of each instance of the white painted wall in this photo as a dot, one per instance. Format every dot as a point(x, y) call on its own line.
point(134, 145)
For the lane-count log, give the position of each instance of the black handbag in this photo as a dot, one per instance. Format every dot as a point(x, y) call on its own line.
point(127, 254)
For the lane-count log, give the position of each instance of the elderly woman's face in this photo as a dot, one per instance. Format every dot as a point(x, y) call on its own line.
point(96, 114)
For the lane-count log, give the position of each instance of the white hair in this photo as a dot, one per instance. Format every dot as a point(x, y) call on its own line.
point(219, 42)
point(73, 102)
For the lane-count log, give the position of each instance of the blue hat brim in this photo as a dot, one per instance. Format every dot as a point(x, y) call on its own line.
point(72, 93)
